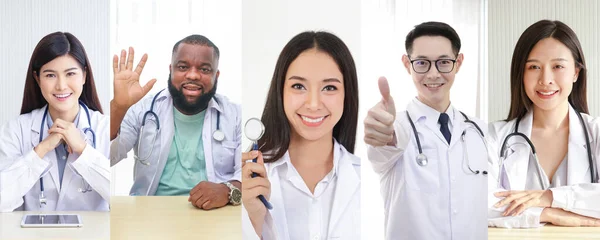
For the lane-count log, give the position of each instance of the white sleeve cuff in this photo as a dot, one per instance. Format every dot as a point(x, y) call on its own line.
point(530, 218)
point(562, 198)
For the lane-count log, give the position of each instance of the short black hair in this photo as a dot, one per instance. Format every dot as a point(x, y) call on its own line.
point(433, 29)
point(197, 40)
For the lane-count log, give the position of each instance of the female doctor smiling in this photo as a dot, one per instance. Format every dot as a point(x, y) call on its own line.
point(309, 173)
point(54, 156)
point(548, 89)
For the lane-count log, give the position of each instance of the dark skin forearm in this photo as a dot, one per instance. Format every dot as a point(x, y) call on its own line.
point(116, 117)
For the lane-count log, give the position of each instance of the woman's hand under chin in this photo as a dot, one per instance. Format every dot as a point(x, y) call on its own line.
point(71, 135)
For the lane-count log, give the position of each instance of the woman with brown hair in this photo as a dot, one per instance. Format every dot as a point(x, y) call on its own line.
point(54, 156)
point(545, 154)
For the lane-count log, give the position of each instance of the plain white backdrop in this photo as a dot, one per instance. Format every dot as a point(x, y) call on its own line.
point(153, 27)
point(268, 25)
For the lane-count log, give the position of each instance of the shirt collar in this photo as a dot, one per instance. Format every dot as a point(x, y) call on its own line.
point(421, 112)
point(284, 164)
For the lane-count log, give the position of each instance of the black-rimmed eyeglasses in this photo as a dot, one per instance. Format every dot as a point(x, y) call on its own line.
point(423, 65)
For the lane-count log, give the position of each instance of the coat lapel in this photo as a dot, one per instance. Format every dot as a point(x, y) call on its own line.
point(36, 126)
point(517, 156)
point(419, 117)
point(348, 186)
point(164, 109)
point(578, 167)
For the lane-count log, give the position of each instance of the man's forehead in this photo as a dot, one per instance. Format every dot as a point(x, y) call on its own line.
point(194, 50)
point(432, 47)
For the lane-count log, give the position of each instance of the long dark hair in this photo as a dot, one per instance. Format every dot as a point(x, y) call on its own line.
point(50, 47)
point(520, 104)
point(277, 128)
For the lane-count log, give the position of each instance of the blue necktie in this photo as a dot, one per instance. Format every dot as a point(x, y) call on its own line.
point(443, 120)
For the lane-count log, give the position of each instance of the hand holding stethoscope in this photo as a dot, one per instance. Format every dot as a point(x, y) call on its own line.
point(253, 187)
point(127, 88)
point(256, 187)
point(379, 124)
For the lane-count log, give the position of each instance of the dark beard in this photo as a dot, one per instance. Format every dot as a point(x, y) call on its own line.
point(190, 108)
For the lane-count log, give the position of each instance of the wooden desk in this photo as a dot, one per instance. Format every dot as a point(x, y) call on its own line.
point(95, 226)
point(159, 217)
point(545, 232)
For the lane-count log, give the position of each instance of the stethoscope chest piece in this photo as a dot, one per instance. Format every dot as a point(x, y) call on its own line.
point(42, 199)
point(422, 160)
point(218, 135)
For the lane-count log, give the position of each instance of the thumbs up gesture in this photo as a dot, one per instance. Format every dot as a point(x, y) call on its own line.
point(379, 124)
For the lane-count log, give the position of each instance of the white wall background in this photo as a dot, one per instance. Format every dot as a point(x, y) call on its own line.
point(153, 27)
point(24, 23)
point(507, 21)
point(384, 26)
point(268, 25)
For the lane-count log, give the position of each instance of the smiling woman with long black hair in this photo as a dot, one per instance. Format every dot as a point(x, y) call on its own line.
point(54, 156)
point(548, 116)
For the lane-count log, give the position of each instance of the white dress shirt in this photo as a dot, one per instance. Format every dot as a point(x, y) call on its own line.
point(307, 214)
point(332, 212)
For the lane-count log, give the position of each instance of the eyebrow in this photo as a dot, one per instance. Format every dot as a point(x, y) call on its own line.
point(185, 62)
point(554, 60)
point(324, 80)
point(69, 69)
point(440, 57)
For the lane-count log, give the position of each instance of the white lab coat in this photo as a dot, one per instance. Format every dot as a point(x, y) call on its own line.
point(222, 158)
point(579, 196)
point(442, 200)
point(21, 168)
point(345, 215)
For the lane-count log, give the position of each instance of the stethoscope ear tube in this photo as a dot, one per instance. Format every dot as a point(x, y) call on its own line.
point(412, 125)
point(593, 167)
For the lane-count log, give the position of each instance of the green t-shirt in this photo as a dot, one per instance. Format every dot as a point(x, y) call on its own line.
point(185, 166)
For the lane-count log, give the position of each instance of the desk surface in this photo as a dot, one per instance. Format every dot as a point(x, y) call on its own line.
point(160, 217)
point(95, 226)
point(545, 232)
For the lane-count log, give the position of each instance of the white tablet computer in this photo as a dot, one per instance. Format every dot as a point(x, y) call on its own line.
point(51, 221)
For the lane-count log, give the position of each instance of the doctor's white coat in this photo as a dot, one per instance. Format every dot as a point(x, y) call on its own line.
point(21, 168)
point(223, 158)
point(579, 196)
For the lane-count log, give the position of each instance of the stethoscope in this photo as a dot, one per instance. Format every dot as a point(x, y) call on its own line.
point(422, 158)
point(504, 148)
point(86, 187)
point(218, 135)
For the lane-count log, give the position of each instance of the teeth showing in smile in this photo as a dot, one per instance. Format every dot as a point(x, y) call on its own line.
point(547, 93)
point(434, 85)
point(62, 95)
point(312, 120)
point(192, 87)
